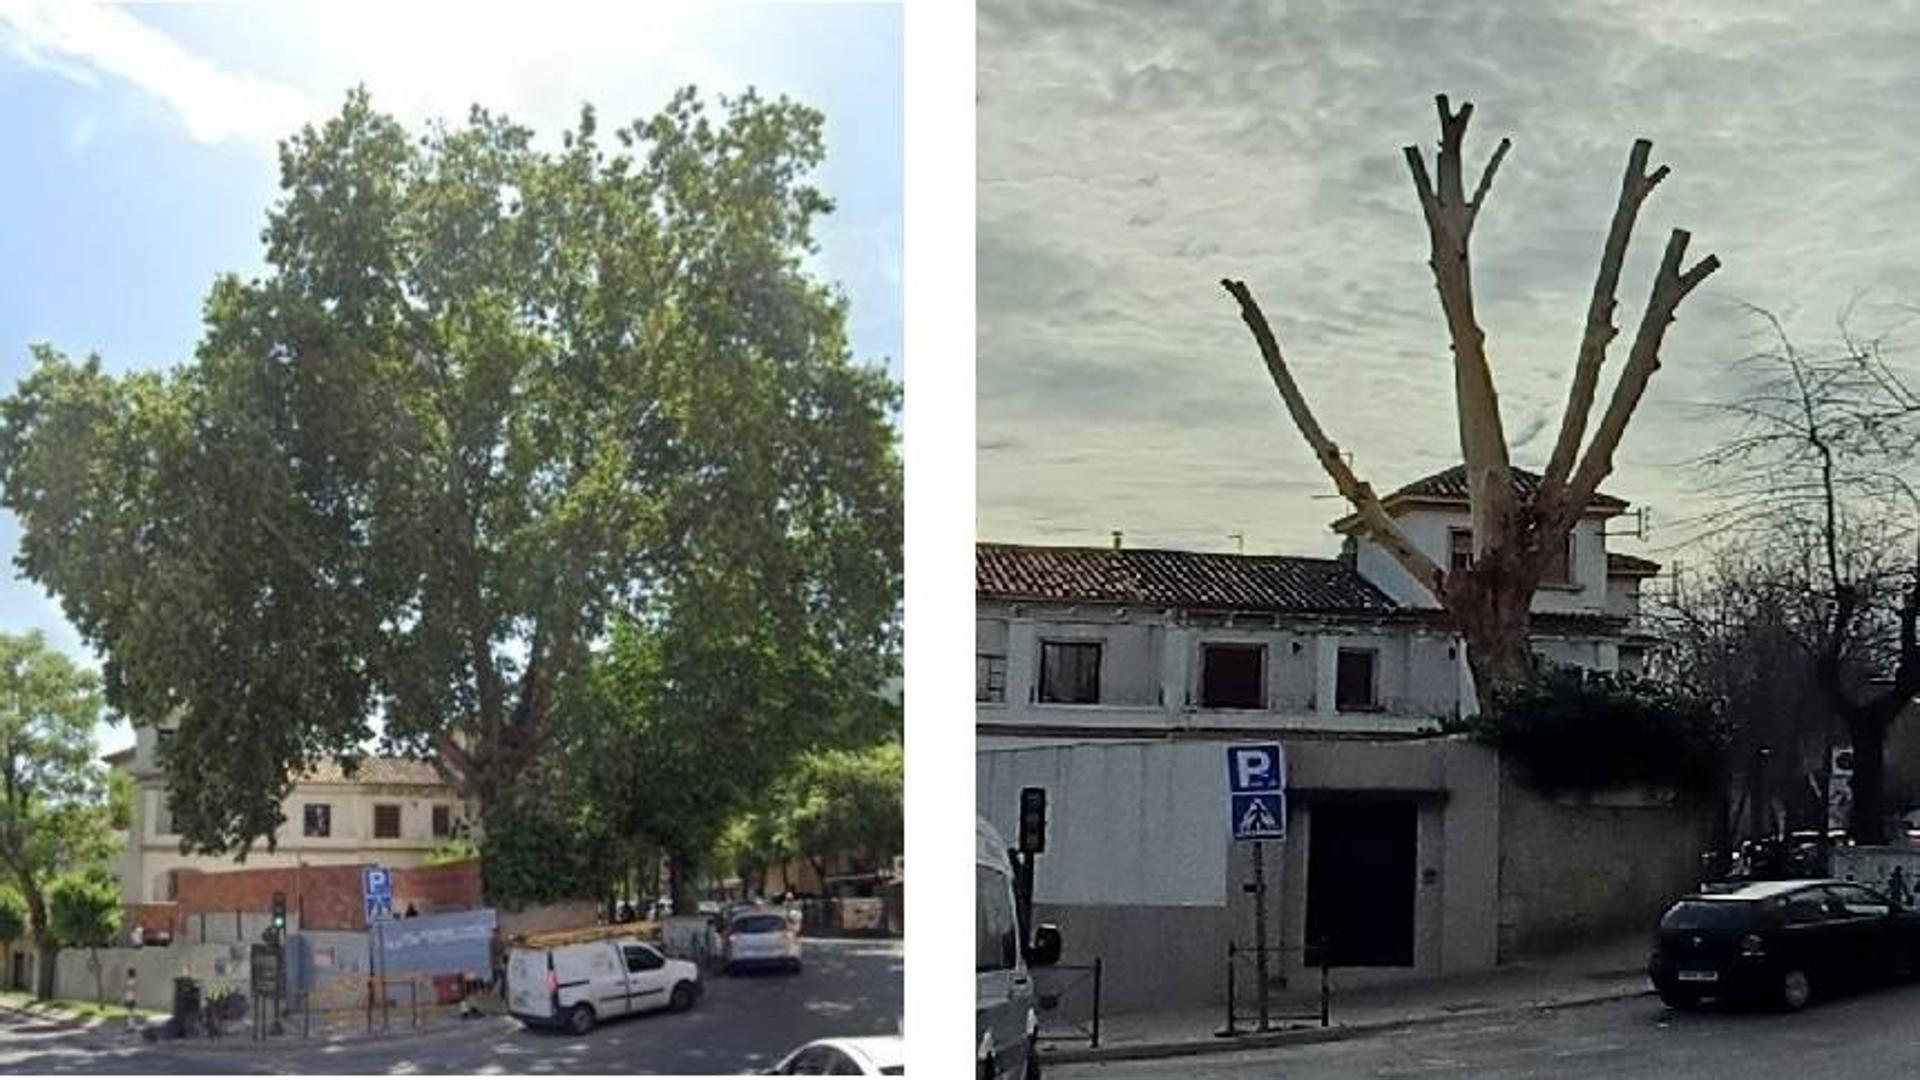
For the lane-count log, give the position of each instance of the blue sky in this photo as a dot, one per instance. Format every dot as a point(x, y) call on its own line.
point(141, 145)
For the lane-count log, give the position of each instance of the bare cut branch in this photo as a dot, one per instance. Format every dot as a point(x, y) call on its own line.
point(1670, 286)
point(1449, 217)
point(1635, 185)
point(1378, 523)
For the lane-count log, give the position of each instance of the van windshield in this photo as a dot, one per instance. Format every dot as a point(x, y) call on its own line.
point(996, 942)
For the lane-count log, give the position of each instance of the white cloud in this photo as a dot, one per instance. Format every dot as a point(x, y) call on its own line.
point(1133, 154)
point(215, 104)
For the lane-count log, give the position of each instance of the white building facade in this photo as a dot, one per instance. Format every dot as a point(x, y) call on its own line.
point(1116, 678)
point(393, 811)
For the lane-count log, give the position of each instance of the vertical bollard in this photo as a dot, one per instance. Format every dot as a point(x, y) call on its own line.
point(1230, 1029)
point(1324, 1011)
point(1096, 1003)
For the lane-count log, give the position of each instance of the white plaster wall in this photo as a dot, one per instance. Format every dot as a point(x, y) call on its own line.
point(1127, 822)
point(1429, 530)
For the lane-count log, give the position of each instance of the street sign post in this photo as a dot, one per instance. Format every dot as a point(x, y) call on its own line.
point(1257, 811)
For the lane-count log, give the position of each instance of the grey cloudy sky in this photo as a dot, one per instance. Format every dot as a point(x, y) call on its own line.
point(1132, 154)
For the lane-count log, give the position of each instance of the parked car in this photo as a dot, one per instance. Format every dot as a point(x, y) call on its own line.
point(1780, 942)
point(575, 979)
point(884, 1055)
point(1006, 1023)
point(760, 937)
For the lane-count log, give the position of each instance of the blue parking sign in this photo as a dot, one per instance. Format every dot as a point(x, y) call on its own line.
point(1256, 792)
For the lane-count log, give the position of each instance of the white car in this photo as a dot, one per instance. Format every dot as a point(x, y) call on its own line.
point(577, 979)
point(762, 937)
point(881, 1055)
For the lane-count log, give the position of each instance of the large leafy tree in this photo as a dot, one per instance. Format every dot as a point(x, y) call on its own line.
point(485, 396)
point(54, 816)
point(85, 913)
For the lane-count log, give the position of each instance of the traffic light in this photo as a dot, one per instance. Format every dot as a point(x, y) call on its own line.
point(279, 913)
point(1033, 820)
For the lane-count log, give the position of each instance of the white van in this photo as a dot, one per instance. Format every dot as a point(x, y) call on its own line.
point(1006, 1026)
point(575, 979)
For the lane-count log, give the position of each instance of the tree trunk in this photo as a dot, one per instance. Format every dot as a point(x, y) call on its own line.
point(1490, 604)
point(1868, 820)
point(99, 981)
point(46, 950)
point(678, 885)
point(44, 946)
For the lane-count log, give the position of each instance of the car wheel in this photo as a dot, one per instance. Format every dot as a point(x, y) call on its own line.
point(1677, 998)
point(682, 997)
point(580, 1019)
point(1794, 990)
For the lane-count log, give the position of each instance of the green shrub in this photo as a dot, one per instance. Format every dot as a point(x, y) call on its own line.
point(1575, 730)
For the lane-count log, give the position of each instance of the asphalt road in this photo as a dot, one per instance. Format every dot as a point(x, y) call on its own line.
point(1871, 1034)
point(743, 1023)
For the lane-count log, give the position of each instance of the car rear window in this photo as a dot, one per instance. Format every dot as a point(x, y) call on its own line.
point(1705, 915)
point(759, 924)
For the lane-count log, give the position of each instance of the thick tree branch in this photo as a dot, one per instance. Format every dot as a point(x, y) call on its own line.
point(1450, 217)
point(1373, 516)
point(1635, 186)
point(1670, 286)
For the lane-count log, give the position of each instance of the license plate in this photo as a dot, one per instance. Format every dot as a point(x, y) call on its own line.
point(1699, 976)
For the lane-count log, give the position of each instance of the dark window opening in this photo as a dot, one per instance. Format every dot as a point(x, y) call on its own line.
point(989, 677)
point(386, 822)
point(1353, 684)
point(1233, 677)
point(1459, 549)
point(317, 820)
point(442, 822)
point(1070, 672)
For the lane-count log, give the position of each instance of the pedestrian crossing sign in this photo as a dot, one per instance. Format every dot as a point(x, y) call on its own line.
point(1259, 816)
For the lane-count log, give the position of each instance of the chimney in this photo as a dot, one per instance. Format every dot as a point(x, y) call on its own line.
point(1116, 539)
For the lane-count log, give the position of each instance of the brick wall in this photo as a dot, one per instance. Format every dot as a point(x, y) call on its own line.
point(327, 897)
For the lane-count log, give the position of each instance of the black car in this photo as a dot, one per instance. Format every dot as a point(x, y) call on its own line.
point(1779, 942)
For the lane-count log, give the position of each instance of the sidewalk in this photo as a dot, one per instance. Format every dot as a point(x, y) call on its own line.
point(1607, 972)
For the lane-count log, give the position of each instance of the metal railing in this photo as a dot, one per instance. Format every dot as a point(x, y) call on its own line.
point(1067, 999)
point(1259, 1014)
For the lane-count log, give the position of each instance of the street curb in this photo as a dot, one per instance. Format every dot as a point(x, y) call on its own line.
point(1311, 1035)
point(239, 1043)
point(55, 1016)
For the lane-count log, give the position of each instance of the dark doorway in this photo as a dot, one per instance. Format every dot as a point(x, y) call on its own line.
point(1360, 875)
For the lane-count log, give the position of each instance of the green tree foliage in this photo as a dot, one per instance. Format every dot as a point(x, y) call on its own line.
point(85, 913)
point(13, 916)
point(485, 396)
point(53, 808)
point(1574, 730)
point(849, 802)
point(697, 716)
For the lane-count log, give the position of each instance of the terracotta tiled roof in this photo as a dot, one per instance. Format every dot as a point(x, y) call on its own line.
point(1451, 484)
point(379, 770)
point(1187, 579)
point(1630, 565)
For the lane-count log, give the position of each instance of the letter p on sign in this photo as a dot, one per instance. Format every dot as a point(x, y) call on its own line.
point(1254, 768)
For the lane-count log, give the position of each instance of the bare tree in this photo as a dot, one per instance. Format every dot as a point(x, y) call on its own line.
point(1740, 631)
point(1514, 539)
point(1822, 467)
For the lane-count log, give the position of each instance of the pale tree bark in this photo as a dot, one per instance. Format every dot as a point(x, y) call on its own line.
point(1450, 216)
point(1489, 603)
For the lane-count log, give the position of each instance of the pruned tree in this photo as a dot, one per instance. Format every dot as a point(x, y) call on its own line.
point(1514, 539)
point(1821, 469)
